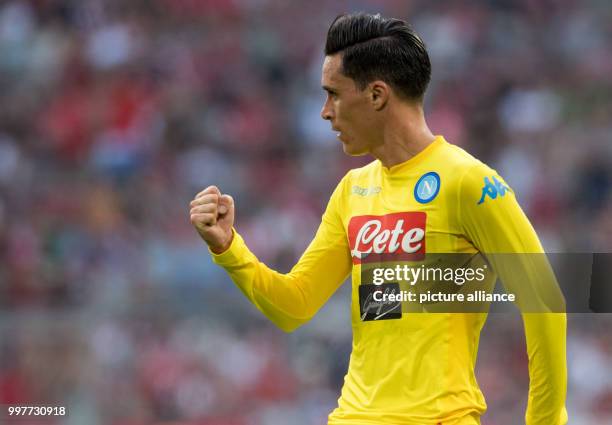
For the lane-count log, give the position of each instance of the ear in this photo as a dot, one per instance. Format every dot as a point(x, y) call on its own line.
point(379, 94)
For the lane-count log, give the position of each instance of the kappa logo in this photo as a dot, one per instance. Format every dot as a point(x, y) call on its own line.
point(492, 189)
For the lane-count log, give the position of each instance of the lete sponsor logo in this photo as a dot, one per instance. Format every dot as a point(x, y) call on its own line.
point(390, 237)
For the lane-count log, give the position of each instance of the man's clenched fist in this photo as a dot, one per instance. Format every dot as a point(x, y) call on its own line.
point(212, 214)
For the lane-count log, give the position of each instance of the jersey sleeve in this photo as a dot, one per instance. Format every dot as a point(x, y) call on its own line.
point(495, 224)
point(291, 299)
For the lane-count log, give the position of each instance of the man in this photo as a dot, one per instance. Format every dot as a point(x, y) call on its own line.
point(421, 195)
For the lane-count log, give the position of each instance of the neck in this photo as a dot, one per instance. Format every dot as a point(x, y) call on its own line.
point(405, 135)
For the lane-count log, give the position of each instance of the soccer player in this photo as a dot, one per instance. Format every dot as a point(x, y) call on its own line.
point(420, 195)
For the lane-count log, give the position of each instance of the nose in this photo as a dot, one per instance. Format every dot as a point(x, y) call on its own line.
point(326, 111)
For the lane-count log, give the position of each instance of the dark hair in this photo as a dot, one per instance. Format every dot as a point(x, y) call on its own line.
point(380, 48)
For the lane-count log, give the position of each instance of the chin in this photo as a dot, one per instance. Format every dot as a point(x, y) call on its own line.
point(353, 151)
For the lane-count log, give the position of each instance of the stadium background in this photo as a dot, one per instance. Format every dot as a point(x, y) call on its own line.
point(114, 114)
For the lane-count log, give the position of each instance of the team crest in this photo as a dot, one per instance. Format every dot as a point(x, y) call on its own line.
point(427, 187)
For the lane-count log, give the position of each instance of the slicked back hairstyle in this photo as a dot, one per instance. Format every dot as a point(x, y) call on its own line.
point(376, 48)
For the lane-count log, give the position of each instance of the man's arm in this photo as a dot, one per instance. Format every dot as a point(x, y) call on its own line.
point(288, 300)
point(495, 224)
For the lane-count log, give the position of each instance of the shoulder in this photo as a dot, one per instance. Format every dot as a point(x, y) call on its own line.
point(460, 162)
point(473, 181)
point(358, 177)
point(467, 172)
point(367, 170)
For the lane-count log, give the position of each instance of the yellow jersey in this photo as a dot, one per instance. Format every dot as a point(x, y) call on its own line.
point(411, 368)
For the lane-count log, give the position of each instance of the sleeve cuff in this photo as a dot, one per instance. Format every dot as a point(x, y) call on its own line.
point(233, 254)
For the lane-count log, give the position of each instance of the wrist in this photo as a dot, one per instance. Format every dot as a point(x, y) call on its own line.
point(220, 249)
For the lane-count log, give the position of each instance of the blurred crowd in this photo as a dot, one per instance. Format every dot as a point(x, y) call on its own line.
point(114, 114)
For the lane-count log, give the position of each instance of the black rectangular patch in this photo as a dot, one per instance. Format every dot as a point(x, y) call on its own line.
point(370, 309)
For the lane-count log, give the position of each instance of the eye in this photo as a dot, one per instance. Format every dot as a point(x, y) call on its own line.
point(331, 94)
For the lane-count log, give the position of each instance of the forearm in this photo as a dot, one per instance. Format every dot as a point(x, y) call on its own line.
point(546, 348)
point(288, 300)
